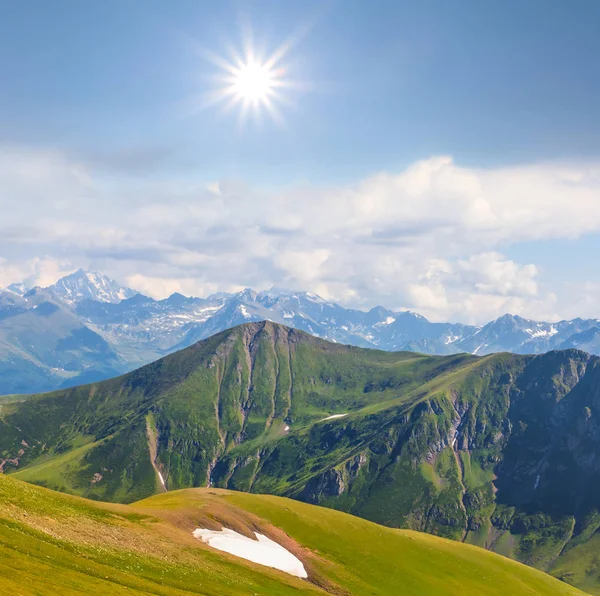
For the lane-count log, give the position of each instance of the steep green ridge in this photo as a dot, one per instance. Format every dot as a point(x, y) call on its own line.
point(52, 543)
point(501, 451)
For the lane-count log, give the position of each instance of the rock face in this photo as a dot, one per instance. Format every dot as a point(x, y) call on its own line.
point(334, 482)
point(501, 451)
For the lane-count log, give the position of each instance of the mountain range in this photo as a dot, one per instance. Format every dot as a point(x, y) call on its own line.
point(500, 451)
point(88, 327)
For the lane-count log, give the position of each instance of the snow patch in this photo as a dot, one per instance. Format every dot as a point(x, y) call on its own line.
point(263, 550)
point(476, 350)
point(162, 480)
point(388, 321)
point(314, 297)
point(542, 332)
point(332, 417)
point(537, 482)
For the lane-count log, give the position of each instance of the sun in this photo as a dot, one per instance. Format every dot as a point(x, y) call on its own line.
point(250, 82)
point(254, 82)
point(249, 78)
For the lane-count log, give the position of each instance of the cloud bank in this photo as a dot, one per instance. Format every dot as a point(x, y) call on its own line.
point(429, 238)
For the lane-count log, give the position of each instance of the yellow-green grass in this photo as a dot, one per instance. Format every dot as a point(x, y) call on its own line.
point(55, 471)
point(581, 565)
point(51, 543)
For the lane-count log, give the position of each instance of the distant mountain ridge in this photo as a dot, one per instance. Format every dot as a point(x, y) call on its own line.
point(89, 285)
point(95, 328)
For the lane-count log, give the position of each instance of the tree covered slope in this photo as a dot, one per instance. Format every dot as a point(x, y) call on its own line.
point(55, 543)
point(500, 451)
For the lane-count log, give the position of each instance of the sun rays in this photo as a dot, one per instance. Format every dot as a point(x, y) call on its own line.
point(251, 81)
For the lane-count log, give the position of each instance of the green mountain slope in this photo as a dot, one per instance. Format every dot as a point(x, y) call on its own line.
point(55, 543)
point(500, 451)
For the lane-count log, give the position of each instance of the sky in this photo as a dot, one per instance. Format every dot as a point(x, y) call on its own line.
point(439, 156)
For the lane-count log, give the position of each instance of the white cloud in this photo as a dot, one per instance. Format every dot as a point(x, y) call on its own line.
point(159, 287)
point(490, 273)
point(36, 271)
point(429, 238)
point(479, 288)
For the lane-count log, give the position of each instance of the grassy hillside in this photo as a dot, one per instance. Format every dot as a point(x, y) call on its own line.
point(240, 387)
point(54, 543)
point(499, 452)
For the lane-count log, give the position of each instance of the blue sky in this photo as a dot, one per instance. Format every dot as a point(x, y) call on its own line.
point(101, 101)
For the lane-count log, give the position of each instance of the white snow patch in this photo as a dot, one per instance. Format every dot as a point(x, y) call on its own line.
point(314, 297)
point(450, 339)
point(244, 311)
point(388, 321)
point(333, 416)
point(542, 332)
point(483, 345)
point(537, 482)
point(162, 480)
point(263, 550)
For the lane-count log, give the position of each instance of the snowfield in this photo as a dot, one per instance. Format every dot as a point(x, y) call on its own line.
point(263, 550)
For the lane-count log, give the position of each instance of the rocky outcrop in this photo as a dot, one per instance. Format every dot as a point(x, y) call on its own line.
point(334, 482)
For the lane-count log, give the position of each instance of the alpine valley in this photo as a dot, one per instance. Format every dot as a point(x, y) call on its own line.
point(86, 327)
point(500, 451)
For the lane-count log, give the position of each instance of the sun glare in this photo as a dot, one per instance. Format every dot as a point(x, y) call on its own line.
point(253, 85)
point(253, 82)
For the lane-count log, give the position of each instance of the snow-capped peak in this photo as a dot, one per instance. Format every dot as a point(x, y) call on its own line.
point(247, 294)
point(90, 285)
point(20, 289)
point(314, 297)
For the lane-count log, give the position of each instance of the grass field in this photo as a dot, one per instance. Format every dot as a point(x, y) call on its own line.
point(60, 544)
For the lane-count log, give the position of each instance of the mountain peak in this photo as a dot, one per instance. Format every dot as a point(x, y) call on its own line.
point(177, 298)
point(312, 297)
point(90, 285)
point(508, 319)
point(20, 289)
point(247, 294)
point(411, 314)
point(276, 291)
